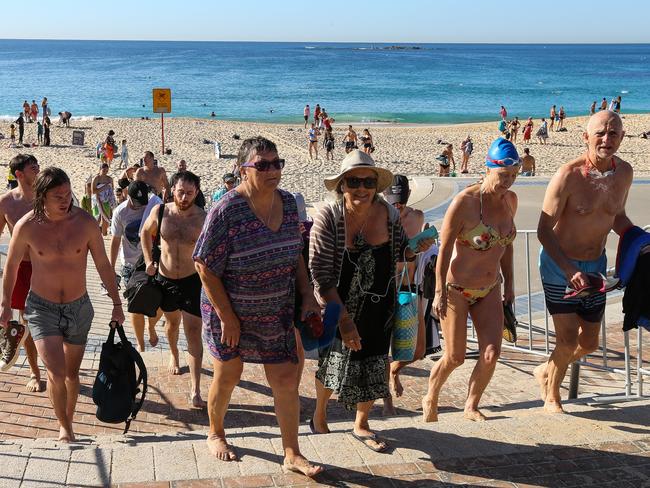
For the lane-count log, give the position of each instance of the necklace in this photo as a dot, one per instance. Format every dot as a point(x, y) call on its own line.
point(359, 241)
point(268, 217)
point(607, 172)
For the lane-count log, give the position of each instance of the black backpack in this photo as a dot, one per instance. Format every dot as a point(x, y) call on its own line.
point(116, 386)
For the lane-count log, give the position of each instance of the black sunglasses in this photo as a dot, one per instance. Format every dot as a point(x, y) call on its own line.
point(369, 182)
point(264, 165)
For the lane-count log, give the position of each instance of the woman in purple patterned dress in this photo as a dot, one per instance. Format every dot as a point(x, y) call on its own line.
point(249, 259)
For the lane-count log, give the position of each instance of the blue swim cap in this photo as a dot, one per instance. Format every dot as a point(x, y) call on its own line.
point(502, 153)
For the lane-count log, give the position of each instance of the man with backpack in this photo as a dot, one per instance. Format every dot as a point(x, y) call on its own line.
point(57, 237)
point(125, 231)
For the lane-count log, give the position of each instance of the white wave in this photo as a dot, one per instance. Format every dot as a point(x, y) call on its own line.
point(624, 92)
point(310, 47)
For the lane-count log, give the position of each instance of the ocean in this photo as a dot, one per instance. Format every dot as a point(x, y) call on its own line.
point(271, 82)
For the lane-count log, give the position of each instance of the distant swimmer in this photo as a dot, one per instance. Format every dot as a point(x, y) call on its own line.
point(584, 201)
point(213, 114)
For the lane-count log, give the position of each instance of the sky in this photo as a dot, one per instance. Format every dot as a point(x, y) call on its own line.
point(392, 21)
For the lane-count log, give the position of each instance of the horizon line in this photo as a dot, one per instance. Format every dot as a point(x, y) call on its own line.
point(337, 42)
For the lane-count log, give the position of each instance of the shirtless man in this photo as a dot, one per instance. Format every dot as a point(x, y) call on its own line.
point(57, 238)
point(13, 205)
point(551, 117)
point(527, 164)
point(154, 176)
point(181, 225)
point(350, 139)
point(584, 201)
point(412, 220)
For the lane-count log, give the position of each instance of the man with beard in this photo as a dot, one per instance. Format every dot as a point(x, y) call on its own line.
point(57, 237)
point(13, 205)
point(181, 225)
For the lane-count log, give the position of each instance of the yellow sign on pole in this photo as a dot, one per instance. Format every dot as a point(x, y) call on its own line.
point(162, 100)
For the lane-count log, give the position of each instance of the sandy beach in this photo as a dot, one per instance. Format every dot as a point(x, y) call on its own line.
point(409, 150)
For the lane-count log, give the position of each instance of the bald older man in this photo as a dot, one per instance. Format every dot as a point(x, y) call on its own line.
point(584, 201)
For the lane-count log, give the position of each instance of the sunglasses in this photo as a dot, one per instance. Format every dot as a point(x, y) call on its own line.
point(264, 165)
point(369, 183)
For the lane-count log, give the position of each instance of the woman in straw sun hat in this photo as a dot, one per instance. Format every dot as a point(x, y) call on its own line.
point(355, 245)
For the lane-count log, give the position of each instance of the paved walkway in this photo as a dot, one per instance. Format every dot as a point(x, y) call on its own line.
point(604, 445)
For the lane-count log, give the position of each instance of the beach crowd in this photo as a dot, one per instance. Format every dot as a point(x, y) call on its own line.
point(256, 280)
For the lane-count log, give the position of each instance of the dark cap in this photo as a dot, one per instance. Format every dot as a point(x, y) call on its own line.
point(398, 191)
point(229, 177)
point(139, 192)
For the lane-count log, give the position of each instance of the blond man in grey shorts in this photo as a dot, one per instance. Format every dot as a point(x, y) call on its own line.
point(58, 237)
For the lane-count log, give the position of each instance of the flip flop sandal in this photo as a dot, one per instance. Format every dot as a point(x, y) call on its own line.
point(373, 437)
point(313, 430)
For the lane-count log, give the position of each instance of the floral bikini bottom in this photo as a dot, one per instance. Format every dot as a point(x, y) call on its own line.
point(474, 295)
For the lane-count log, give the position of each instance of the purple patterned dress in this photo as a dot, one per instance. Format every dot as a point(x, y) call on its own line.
point(258, 270)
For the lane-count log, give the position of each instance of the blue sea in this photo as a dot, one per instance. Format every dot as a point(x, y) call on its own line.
point(408, 83)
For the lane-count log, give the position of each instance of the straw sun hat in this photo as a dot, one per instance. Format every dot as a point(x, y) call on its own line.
point(355, 160)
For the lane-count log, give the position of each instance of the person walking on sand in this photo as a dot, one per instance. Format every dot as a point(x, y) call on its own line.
point(350, 140)
point(562, 116)
point(57, 237)
point(305, 114)
point(26, 110)
point(317, 111)
point(592, 109)
point(312, 138)
point(542, 132)
point(603, 104)
point(514, 129)
point(44, 106)
point(33, 111)
point(503, 112)
point(125, 241)
point(584, 201)
point(14, 204)
point(617, 105)
point(46, 131)
point(551, 117)
point(103, 198)
point(179, 230)
point(328, 144)
point(109, 147)
point(466, 149)
point(154, 176)
point(528, 130)
point(39, 132)
point(20, 122)
point(527, 164)
point(124, 156)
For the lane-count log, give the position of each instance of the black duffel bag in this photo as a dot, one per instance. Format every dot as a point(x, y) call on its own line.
point(143, 292)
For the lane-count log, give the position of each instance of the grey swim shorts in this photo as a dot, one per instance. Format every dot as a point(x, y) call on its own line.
point(70, 320)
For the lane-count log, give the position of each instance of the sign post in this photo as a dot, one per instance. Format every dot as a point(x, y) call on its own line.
point(162, 104)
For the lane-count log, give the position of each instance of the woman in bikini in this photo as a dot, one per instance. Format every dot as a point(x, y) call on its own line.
point(476, 249)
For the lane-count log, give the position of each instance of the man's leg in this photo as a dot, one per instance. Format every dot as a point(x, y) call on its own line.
point(34, 383)
point(226, 376)
point(153, 335)
point(566, 344)
point(137, 320)
point(192, 326)
point(50, 349)
point(73, 354)
point(172, 324)
point(283, 380)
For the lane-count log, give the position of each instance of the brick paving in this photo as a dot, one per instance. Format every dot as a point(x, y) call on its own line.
point(166, 417)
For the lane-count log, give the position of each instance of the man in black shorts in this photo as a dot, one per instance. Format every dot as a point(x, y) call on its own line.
point(181, 225)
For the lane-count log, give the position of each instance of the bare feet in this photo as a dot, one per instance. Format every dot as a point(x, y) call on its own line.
point(474, 415)
point(66, 435)
point(389, 408)
point(173, 367)
point(317, 427)
point(540, 375)
point(153, 336)
point(429, 410)
point(300, 465)
point(197, 402)
point(552, 406)
point(34, 384)
point(396, 387)
point(220, 449)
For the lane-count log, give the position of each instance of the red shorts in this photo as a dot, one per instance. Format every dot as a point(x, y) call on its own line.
point(21, 288)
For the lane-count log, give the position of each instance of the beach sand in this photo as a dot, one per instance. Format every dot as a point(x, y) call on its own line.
point(409, 150)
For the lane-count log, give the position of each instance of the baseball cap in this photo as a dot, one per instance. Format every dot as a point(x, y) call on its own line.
point(398, 191)
point(139, 192)
point(229, 177)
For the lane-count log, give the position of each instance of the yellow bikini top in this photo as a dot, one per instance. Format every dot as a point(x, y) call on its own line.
point(484, 237)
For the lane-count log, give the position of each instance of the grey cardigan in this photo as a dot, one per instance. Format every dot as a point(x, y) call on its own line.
point(327, 243)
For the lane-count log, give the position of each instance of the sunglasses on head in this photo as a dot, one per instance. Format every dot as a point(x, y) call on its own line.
point(369, 182)
point(264, 165)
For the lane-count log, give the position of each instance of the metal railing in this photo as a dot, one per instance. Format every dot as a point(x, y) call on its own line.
point(529, 319)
